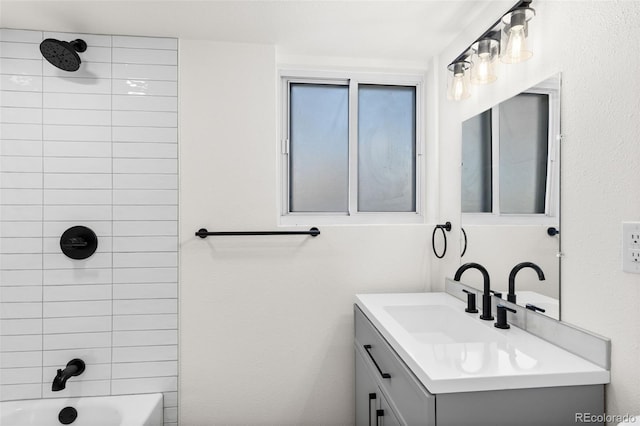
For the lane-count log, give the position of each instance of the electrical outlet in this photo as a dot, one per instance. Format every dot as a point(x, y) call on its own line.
point(631, 247)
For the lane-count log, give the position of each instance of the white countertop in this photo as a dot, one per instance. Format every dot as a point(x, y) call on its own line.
point(453, 351)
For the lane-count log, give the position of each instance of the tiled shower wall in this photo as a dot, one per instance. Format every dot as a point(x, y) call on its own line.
point(96, 147)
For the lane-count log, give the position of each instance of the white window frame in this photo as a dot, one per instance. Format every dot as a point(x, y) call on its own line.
point(552, 195)
point(352, 80)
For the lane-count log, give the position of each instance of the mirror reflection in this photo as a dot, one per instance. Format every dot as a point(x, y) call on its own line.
point(510, 187)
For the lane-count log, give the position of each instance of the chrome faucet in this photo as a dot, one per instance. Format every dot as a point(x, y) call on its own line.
point(511, 296)
point(486, 297)
point(75, 367)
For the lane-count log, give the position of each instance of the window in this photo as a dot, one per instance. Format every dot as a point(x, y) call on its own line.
point(509, 167)
point(350, 150)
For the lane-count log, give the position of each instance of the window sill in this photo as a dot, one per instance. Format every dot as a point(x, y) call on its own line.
point(313, 219)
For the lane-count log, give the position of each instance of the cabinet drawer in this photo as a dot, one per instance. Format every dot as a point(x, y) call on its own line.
point(413, 403)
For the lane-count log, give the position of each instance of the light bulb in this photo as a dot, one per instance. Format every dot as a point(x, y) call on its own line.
point(485, 52)
point(515, 46)
point(459, 81)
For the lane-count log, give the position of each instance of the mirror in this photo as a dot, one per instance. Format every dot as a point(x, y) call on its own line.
point(510, 191)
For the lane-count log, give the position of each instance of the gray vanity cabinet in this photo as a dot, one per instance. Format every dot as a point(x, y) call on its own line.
point(384, 382)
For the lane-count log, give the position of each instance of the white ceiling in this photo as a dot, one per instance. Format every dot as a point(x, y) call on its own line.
point(396, 30)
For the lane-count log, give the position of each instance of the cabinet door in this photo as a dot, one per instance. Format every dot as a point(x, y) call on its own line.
point(385, 415)
point(367, 394)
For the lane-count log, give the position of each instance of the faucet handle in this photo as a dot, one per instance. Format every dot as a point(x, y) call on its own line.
point(471, 302)
point(534, 308)
point(496, 293)
point(502, 317)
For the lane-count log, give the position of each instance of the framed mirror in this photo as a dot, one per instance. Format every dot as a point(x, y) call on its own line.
point(510, 189)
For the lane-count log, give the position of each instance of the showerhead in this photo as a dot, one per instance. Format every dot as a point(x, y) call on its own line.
point(62, 54)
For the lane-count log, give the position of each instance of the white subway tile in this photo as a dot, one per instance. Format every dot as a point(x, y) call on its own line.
point(21, 66)
point(20, 180)
point(20, 310)
point(145, 322)
point(21, 132)
point(145, 213)
point(14, 376)
point(22, 261)
point(132, 370)
point(60, 261)
point(21, 343)
point(76, 85)
point(72, 325)
point(147, 385)
point(18, 392)
point(145, 103)
point(76, 165)
point(77, 196)
point(140, 228)
point(77, 276)
point(147, 181)
point(26, 115)
point(145, 338)
point(77, 340)
point(20, 229)
point(92, 40)
point(21, 196)
point(96, 54)
point(76, 101)
point(76, 133)
point(76, 309)
point(22, 148)
point(145, 56)
point(145, 72)
point(78, 388)
point(142, 166)
point(55, 229)
point(144, 260)
point(10, 327)
point(145, 134)
point(145, 291)
point(20, 245)
point(170, 415)
point(145, 42)
point(145, 118)
point(143, 87)
point(21, 293)
point(170, 399)
point(145, 275)
point(77, 149)
point(22, 213)
point(62, 293)
point(77, 213)
point(21, 278)
point(77, 180)
point(145, 150)
point(60, 358)
point(21, 359)
point(89, 70)
point(22, 36)
point(145, 354)
point(145, 306)
point(52, 245)
point(25, 83)
point(77, 117)
point(91, 372)
point(145, 244)
point(21, 164)
point(20, 50)
point(20, 99)
point(145, 197)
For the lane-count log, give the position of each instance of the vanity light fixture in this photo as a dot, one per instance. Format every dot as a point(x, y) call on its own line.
point(477, 63)
point(458, 85)
point(514, 35)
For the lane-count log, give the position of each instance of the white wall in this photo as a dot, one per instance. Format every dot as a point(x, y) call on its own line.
point(88, 148)
point(266, 322)
point(594, 45)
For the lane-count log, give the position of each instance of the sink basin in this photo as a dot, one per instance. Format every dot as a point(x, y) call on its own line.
point(438, 324)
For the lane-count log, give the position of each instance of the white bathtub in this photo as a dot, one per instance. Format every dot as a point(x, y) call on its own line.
point(123, 410)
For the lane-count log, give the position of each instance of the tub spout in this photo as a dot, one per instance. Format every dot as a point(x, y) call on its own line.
point(75, 367)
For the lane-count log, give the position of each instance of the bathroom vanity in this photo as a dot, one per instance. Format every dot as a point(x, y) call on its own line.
point(421, 360)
